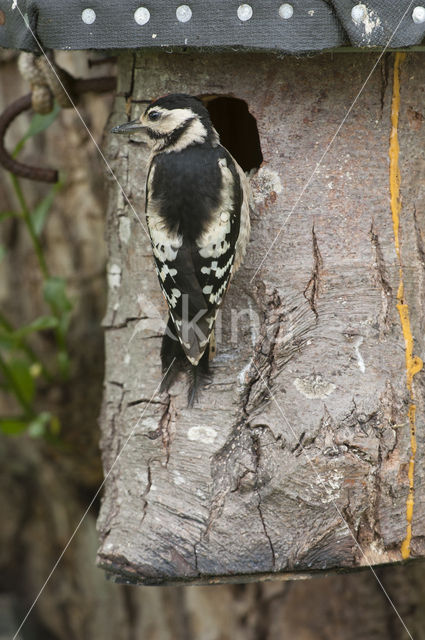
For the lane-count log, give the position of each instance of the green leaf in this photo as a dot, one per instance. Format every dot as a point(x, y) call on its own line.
point(39, 214)
point(13, 426)
point(38, 124)
point(8, 214)
point(55, 426)
point(20, 371)
point(45, 424)
point(64, 363)
point(39, 324)
point(64, 323)
point(12, 338)
point(55, 294)
point(2, 252)
point(7, 340)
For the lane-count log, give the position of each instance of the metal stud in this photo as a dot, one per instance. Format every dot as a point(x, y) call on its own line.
point(142, 15)
point(418, 15)
point(88, 16)
point(358, 13)
point(286, 11)
point(183, 13)
point(244, 12)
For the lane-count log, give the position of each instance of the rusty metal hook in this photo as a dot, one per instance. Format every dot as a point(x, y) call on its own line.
point(78, 87)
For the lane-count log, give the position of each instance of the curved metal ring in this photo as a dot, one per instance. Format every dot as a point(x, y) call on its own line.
point(9, 163)
point(20, 105)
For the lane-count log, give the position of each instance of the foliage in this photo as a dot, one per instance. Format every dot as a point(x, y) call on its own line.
point(21, 368)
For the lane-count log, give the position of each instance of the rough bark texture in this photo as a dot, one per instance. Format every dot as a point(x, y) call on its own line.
point(296, 458)
point(45, 490)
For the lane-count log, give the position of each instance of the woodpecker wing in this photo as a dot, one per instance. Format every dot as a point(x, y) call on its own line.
point(194, 261)
point(217, 244)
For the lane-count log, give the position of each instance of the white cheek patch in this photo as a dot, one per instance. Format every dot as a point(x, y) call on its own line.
point(171, 120)
point(196, 133)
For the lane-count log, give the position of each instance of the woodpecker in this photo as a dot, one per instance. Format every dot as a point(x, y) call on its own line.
point(197, 210)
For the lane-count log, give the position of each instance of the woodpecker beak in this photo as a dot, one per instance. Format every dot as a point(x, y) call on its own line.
point(129, 127)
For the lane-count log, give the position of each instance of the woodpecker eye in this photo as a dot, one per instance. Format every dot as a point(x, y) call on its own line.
point(154, 115)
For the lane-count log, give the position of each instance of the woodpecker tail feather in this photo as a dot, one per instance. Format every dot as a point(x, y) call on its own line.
point(199, 376)
point(174, 361)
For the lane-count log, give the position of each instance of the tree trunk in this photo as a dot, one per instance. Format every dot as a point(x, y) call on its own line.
point(45, 490)
point(298, 457)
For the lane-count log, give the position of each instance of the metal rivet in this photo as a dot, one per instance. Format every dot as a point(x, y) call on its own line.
point(183, 13)
point(142, 15)
point(88, 16)
point(286, 11)
point(244, 12)
point(358, 13)
point(418, 15)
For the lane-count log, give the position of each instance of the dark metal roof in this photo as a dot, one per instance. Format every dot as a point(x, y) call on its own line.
point(292, 27)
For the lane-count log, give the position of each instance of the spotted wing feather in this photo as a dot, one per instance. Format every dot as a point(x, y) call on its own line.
point(194, 272)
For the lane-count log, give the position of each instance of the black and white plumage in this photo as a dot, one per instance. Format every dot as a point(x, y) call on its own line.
point(197, 210)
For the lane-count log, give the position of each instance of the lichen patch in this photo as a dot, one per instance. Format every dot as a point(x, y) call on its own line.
point(314, 386)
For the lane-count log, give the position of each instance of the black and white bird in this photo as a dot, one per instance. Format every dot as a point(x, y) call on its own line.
point(197, 212)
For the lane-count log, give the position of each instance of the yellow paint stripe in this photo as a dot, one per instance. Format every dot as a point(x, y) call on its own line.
point(413, 363)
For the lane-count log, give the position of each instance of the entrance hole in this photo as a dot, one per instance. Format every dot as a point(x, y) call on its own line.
point(237, 129)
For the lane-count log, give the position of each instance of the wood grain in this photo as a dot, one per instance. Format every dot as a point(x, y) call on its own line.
point(296, 458)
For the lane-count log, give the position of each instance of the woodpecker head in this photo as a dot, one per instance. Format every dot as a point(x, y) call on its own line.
point(172, 123)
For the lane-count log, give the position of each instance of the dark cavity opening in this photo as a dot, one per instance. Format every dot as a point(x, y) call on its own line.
point(237, 129)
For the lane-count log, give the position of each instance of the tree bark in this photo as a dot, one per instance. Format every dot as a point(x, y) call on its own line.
point(45, 490)
point(297, 457)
